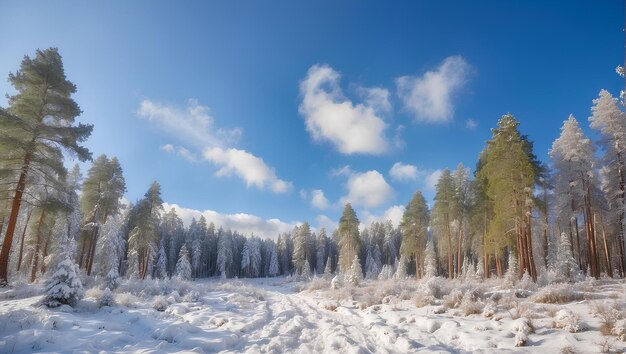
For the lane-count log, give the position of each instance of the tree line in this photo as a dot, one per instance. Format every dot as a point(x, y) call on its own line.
point(514, 215)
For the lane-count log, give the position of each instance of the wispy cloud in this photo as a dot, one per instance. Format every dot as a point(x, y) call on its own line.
point(194, 125)
point(248, 167)
point(471, 124)
point(329, 116)
point(432, 179)
point(180, 151)
point(429, 97)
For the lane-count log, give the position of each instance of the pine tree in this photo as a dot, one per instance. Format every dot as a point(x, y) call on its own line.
point(102, 190)
point(183, 267)
point(322, 241)
point(35, 129)
point(512, 273)
point(273, 268)
point(430, 261)
point(442, 217)
point(144, 236)
point(162, 263)
point(355, 274)
point(401, 270)
point(301, 235)
point(510, 170)
point(64, 287)
point(349, 238)
point(611, 122)
point(414, 230)
point(573, 158)
point(566, 266)
point(306, 270)
point(327, 270)
point(224, 253)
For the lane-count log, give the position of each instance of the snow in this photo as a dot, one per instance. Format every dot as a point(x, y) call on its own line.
point(275, 315)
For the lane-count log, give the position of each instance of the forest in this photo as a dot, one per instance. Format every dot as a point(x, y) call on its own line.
point(515, 217)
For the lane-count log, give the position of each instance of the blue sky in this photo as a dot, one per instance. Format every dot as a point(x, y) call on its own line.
point(249, 111)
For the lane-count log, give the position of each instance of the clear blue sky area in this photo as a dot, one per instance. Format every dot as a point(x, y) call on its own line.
point(252, 106)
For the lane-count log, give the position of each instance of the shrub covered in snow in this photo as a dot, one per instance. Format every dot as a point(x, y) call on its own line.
point(521, 328)
point(569, 321)
point(557, 294)
point(453, 300)
point(106, 299)
point(64, 287)
point(160, 303)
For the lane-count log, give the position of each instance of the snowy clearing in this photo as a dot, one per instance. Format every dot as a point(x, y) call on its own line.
point(278, 315)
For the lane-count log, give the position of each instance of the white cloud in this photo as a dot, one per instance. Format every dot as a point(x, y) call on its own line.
point(248, 167)
point(318, 200)
point(327, 223)
point(432, 179)
point(303, 194)
point(242, 222)
point(352, 128)
point(403, 172)
point(377, 98)
point(192, 125)
point(195, 126)
point(393, 213)
point(368, 189)
point(471, 124)
point(180, 151)
point(429, 97)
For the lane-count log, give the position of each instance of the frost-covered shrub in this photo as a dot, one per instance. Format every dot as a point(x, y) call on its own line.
point(127, 300)
point(106, 298)
point(435, 287)
point(160, 303)
point(490, 309)
point(546, 278)
point(569, 321)
point(317, 284)
point(192, 296)
point(453, 300)
point(93, 292)
point(471, 303)
point(65, 287)
point(557, 294)
point(422, 299)
point(510, 277)
point(522, 327)
point(619, 330)
point(608, 316)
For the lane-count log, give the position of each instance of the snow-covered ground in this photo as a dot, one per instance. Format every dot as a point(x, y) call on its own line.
point(278, 315)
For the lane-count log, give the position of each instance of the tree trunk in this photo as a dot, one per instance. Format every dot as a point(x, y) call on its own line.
point(33, 274)
point(15, 209)
point(19, 260)
point(45, 253)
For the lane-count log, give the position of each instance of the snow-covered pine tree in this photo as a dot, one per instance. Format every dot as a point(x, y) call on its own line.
point(401, 271)
point(322, 240)
point(306, 270)
point(255, 256)
point(566, 266)
point(106, 299)
point(512, 273)
point(273, 268)
point(327, 269)
point(480, 269)
point(430, 261)
point(196, 256)
point(183, 267)
point(64, 287)
point(161, 268)
point(245, 257)
point(224, 253)
point(355, 274)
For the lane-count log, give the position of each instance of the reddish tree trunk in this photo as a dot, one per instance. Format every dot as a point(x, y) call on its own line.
point(19, 260)
point(33, 274)
point(15, 209)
